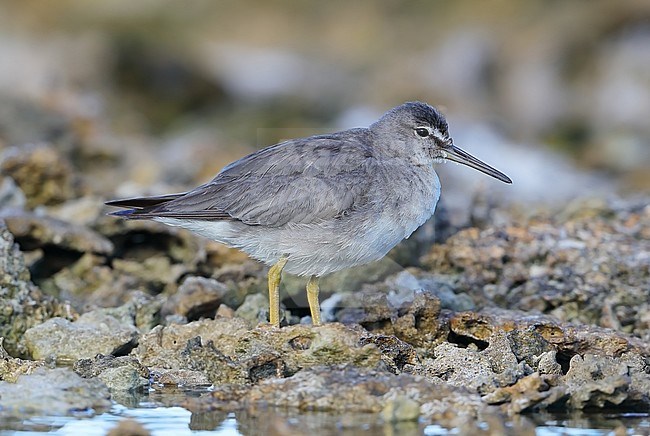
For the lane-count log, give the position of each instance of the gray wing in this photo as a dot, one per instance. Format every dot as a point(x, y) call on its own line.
point(299, 181)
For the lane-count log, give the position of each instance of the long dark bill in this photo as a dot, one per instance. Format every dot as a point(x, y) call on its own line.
point(460, 156)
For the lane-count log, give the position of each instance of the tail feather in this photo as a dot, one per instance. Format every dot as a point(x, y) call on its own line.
point(138, 205)
point(154, 207)
point(143, 202)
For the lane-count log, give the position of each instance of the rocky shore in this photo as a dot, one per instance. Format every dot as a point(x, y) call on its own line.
point(477, 324)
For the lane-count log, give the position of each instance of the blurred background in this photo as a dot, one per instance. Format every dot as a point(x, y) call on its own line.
point(149, 97)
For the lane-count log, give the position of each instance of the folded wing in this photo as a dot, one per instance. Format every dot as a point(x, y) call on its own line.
point(299, 181)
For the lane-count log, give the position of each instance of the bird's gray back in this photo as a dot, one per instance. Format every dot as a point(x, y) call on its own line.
point(298, 181)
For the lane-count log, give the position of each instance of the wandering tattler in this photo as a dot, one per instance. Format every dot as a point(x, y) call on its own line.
point(316, 205)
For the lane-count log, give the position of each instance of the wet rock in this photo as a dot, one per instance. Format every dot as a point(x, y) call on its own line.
point(532, 391)
point(351, 389)
point(123, 378)
point(66, 394)
point(400, 409)
point(229, 351)
point(22, 304)
point(592, 382)
point(93, 333)
point(41, 172)
point(196, 297)
point(597, 381)
point(124, 373)
point(128, 427)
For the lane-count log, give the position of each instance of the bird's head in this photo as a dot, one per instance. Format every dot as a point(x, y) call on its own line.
point(425, 128)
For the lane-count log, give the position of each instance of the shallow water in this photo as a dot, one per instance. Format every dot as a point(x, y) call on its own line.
point(157, 412)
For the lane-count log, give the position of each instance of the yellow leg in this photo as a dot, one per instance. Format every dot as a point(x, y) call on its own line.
point(275, 275)
point(312, 298)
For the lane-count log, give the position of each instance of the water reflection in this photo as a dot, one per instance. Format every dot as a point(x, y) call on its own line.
point(159, 411)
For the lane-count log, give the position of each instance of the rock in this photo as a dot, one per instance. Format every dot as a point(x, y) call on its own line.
point(351, 394)
point(348, 280)
point(242, 278)
point(12, 368)
point(592, 382)
point(531, 391)
point(93, 333)
point(36, 231)
point(138, 240)
point(567, 339)
point(196, 297)
point(24, 120)
point(548, 364)
point(400, 409)
point(22, 304)
point(228, 351)
point(180, 377)
point(597, 381)
point(124, 373)
point(157, 271)
point(128, 427)
point(587, 264)
point(224, 311)
point(439, 286)
point(84, 211)
point(471, 368)
point(397, 355)
point(66, 394)
point(616, 376)
point(41, 172)
point(11, 197)
point(123, 378)
point(255, 308)
point(141, 310)
point(351, 389)
point(89, 282)
point(415, 318)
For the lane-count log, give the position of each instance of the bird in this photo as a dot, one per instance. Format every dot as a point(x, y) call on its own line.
point(316, 205)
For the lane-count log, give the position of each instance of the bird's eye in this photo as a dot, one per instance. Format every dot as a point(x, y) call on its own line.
point(423, 132)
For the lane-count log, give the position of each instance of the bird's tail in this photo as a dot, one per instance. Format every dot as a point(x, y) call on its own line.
point(137, 207)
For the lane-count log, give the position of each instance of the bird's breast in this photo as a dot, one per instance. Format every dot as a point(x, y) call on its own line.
point(409, 200)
